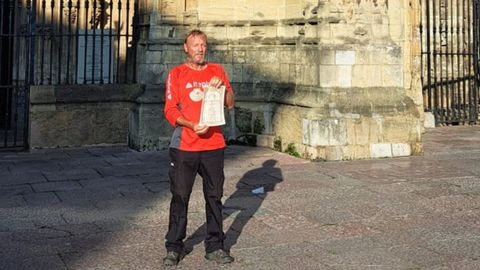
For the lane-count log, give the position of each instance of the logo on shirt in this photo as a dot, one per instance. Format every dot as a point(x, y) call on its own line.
point(169, 86)
point(196, 94)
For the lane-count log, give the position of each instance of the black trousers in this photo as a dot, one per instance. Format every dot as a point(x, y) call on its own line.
point(183, 170)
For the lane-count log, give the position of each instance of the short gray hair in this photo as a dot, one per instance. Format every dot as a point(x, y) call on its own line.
point(193, 33)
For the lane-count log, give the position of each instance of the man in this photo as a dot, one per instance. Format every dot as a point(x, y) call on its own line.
point(195, 148)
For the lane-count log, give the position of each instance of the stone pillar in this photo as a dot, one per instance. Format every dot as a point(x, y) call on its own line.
point(148, 130)
point(158, 52)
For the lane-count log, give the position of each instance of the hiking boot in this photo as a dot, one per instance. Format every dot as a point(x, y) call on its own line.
point(219, 256)
point(171, 259)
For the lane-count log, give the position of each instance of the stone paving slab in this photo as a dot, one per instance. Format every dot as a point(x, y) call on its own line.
point(15, 179)
point(107, 208)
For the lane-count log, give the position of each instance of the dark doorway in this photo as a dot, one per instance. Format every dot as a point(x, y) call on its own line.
point(6, 45)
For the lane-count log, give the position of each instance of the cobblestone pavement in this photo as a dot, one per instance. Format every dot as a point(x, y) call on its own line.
point(107, 208)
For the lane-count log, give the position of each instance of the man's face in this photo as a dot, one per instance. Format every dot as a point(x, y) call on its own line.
point(196, 49)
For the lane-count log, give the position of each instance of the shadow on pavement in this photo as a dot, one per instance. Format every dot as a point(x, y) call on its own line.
point(242, 205)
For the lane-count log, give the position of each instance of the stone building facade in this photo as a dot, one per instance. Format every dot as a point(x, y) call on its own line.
point(324, 79)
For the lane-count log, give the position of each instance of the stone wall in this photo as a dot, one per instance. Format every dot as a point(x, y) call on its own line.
point(68, 116)
point(328, 79)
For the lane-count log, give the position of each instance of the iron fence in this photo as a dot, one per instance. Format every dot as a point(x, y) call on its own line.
point(60, 42)
point(449, 41)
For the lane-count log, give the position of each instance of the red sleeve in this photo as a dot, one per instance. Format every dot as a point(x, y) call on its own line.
point(225, 80)
point(171, 111)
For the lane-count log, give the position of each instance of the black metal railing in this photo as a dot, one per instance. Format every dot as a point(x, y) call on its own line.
point(449, 41)
point(90, 41)
point(74, 41)
point(60, 42)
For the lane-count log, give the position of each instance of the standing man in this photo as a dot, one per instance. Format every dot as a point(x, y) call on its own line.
point(195, 149)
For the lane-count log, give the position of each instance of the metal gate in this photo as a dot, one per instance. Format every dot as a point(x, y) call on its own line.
point(449, 31)
point(60, 42)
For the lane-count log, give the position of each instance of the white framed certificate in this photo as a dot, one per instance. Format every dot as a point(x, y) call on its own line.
point(212, 113)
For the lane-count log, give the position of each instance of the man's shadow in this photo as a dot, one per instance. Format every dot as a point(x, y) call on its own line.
point(252, 189)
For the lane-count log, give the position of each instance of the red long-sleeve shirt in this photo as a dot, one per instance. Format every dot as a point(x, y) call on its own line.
point(183, 97)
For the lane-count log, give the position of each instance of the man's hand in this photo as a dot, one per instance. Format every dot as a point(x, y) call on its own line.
point(200, 129)
point(215, 82)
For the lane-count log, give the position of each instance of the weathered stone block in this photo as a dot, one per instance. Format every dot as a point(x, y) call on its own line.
point(356, 152)
point(397, 129)
point(397, 32)
point(401, 150)
point(263, 31)
point(236, 75)
point(154, 73)
point(286, 55)
point(307, 127)
point(344, 76)
point(269, 56)
point(43, 108)
point(265, 140)
point(243, 120)
point(327, 57)
point(268, 118)
point(342, 32)
point(267, 72)
point(312, 153)
point(252, 56)
point(429, 120)
point(350, 125)
point(156, 32)
point(324, 32)
point(228, 70)
point(287, 123)
point(364, 57)
point(81, 115)
point(362, 151)
point(248, 72)
point(297, 75)
point(334, 153)
point(324, 132)
point(148, 129)
point(239, 56)
point(236, 32)
point(366, 75)
point(43, 95)
point(338, 132)
point(375, 129)
point(328, 75)
point(258, 122)
point(293, 10)
point(362, 132)
point(310, 31)
point(345, 57)
point(287, 31)
point(380, 31)
point(284, 73)
point(173, 56)
point(380, 150)
point(153, 57)
point(390, 55)
point(310, 75)
point(309, 57)
point(220, 56)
